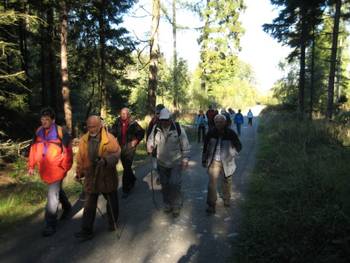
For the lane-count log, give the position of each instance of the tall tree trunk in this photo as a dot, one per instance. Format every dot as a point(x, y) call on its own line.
point(204, 50)
point(333, 63)
point(52, 60)
point(154, 53)
point(22, 27)
point(102, 39)
point(338, 73)
point(175, 83)
point(43, 61)
point(302, 62)
point(64, 66)
point(312, 84)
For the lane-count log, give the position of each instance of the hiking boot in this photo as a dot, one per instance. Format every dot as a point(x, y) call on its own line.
point(176, 212)
point(84, 235)
point(210, 210)
point(66, 213)
point(48, 231)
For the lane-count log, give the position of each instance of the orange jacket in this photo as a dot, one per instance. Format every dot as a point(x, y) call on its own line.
point(53, 158)
point(106, 180)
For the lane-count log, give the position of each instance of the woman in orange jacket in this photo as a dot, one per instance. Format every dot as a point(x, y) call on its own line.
point(51, 152)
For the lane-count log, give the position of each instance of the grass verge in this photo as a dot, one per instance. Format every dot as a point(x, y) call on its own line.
point(297, 206)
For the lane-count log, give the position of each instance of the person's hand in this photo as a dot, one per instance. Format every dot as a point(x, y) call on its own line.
point(30, 171)
point(184, 164)
point(77, 178)
point(101, 162)
point(132, 144)
point(150, 149)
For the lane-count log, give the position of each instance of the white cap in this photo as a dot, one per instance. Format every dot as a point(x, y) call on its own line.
point(164, 114)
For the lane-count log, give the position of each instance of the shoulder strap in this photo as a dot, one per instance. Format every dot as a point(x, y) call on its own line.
point(178, 129)
point(59, 132)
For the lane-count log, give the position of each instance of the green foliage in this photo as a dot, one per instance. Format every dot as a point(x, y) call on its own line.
point(297, 205)
point(25, 198)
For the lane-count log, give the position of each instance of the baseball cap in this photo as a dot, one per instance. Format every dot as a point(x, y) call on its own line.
point(164, 114)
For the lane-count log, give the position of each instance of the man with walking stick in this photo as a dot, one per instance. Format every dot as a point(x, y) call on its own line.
point(97, 157)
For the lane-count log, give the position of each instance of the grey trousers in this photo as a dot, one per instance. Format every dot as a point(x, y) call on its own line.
point(55, 195)
point(171, 180)
point(215, 172)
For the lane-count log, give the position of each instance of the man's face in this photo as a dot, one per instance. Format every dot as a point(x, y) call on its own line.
point(46, 121)
point(220, 124)
point(165, 123)
point(94, 126)
point(124, 114)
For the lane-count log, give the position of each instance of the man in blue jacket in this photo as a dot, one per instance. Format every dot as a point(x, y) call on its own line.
point(239, 120)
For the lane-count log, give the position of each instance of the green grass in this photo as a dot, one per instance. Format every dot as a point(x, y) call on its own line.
point(26, 197)
point(297, 207)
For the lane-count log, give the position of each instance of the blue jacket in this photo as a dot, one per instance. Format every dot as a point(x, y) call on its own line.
point(239, 118)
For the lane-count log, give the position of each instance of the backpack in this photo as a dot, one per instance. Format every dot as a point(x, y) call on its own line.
point(177, 126)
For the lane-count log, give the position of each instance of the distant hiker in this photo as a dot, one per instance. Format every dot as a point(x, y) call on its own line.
point(96, 163)
point(201, 124)
point(221, 146)
point(51, 152)
point(154, 119)
point(232, 117)
point(227, 116)
point(210, 117)
point(250, 117)
point(239, 120)
point(173, 149)
point(129, 133)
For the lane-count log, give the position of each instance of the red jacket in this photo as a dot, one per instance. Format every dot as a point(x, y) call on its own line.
point(53, 157)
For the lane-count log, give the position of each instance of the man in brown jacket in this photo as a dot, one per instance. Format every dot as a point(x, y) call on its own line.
point(97, 157)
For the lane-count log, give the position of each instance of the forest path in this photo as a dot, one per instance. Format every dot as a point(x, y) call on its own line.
point(147, 234)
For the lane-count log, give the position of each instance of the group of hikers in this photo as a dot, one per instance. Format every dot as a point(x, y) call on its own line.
point(101, 147)
point(205, 121)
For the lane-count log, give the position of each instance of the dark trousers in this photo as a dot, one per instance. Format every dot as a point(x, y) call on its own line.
point(250, 121)
point(171, 180)
point(127, 157)
point(90, 207)
point(238, 125)
point(55, 195)
point(201, 133)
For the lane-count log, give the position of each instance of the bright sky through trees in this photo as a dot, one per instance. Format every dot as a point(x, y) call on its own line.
point(260, 50)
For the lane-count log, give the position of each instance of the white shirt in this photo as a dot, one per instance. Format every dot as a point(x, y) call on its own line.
point(217, 156)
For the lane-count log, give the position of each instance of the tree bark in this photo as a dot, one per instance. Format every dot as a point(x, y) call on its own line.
point(64, 66)
point(175, 84)
point(312, 84)
point(102, 40)
point(302, 62)
point(52, 60)
point(330, 104)
point(154, 53)
point(204, 50)
point(43, 61)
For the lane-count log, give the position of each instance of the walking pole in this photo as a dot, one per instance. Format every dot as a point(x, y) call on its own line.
point(80, 181)
point(113, 218)
point(153, 167)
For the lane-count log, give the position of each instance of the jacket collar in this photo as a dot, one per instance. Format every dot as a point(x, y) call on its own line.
point(104, 137)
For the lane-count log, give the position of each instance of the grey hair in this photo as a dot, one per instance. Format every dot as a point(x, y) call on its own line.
point(219, 117)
